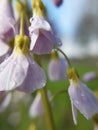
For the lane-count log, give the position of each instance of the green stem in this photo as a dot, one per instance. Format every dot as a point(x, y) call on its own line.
point(22, 24)
point(57, 93)
point(47, 109)
point(69, 63)
point(46, 105)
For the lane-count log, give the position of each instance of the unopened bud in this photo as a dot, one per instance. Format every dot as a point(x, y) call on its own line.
point(57, 2)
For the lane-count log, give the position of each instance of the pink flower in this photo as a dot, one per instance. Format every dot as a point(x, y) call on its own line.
point(57, 69)
point(82, 99)
point(43, 40)
point(90, 76)
point(20, 70)
point(36, 108)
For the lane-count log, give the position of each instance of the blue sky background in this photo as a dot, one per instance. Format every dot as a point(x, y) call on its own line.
point(68, 16)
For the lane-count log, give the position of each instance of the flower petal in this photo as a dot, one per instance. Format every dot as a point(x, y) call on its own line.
point(4, 48)
point(89, 76)
point(6, 19)
point(83, 99)
point(51, 37)
point(13, 72)
point(57, 69)
point(35, 78)
point(36, 108)
point(43, 45)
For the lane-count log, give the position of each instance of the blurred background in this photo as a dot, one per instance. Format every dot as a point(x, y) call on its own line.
point(76, 23)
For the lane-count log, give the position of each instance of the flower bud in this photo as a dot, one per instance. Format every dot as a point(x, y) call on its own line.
point(57, 2)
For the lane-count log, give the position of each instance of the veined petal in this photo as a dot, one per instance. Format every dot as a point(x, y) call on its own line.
point(83, 99)
point(42, 45)
point(44, 38)
point(35, 78)
point(51, 37)
point(13, 72)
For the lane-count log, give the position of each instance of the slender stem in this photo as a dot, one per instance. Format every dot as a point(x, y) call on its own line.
point(45, 102)
point(69, 63)
point(47, 109)
point(57, 93)
point(22, 24)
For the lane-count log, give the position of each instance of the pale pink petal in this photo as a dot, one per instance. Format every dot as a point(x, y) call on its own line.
point(12, 72)
point(89, 76)
point(43, 45)
point(4, 48)
point(6, 20)
point(43, 39)
point(51, 37)
point(57, 69)
point(83, 99)
point(35, 78)
point(36, 108)
point(6, 8)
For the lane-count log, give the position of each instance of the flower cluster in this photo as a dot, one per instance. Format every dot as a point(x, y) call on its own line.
point(20, 70)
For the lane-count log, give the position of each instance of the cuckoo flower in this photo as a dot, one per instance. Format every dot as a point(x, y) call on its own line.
point(82, 98)
point(57, 68)
point(36, 108)
point(20, 70)
point(43, 40)
point(89, 76)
